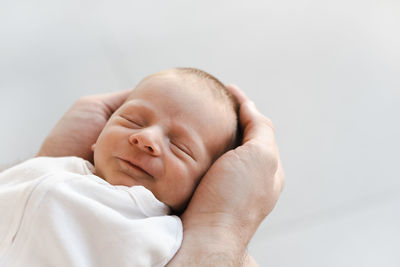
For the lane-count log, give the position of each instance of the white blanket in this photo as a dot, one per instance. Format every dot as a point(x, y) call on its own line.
point(55, 212)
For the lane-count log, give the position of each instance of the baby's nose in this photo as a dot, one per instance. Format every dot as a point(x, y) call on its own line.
point(147, 142)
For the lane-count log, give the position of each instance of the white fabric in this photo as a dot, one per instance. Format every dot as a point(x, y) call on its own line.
point(55, 212)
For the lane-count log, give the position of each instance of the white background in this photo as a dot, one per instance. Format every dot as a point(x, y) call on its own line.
point(326, 73)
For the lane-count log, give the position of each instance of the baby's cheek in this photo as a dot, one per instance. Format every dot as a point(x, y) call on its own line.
point(180, 178)
point(181, 170)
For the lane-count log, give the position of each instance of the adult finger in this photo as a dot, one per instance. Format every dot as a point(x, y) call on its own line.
point(248, 110)
point(251, 120)
point(112, 101)
point(255, 125)
point(240, 96)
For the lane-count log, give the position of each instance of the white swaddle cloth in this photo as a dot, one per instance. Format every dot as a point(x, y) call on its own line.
point(55, 212)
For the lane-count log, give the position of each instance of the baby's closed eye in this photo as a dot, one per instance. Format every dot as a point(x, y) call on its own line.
point(135, 122)
point(182, 148)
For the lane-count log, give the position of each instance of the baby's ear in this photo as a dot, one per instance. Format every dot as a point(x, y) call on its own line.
point(92, 147)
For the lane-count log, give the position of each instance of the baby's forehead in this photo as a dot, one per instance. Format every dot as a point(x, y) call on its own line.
point(179, 85)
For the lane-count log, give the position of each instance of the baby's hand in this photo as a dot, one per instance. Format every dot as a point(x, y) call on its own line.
point(80, 126)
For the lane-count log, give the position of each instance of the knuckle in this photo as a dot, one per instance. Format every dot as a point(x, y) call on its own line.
point(88, 101)
point(83, 100)
point(273, 164)
point(283, 183)
point(268, 122)
point(268, 156)
point(280, 180)
point(271, 160)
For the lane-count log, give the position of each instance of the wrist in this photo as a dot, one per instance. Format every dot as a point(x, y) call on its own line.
point(219, 234)
point(210, 240)
point(239, 225)
point(208, 246)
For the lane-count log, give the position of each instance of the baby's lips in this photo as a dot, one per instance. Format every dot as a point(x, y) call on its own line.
point(141, 167)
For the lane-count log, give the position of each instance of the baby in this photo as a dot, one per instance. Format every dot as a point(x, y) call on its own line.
point(167, 134)
point(148, 160)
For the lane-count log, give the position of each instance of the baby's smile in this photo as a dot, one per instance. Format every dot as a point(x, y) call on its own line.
point(133, 169)
point(164, 137)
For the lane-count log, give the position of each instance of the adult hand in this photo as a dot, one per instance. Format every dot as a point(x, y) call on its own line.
point(236, 194)
point(79, 128)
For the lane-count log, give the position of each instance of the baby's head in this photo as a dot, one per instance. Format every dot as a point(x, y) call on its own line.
point(166, 135)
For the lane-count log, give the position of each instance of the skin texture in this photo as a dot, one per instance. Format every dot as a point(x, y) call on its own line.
point(164, 138)
point(236, 194)
point(224, 213)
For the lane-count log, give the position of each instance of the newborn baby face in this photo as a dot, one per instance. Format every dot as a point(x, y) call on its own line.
point(164, 137)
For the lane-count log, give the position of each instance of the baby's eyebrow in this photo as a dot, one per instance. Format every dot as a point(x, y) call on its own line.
point(142, 107)
point(133, 103)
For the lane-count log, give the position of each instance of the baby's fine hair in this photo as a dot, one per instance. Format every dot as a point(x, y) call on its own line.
point(219, 90)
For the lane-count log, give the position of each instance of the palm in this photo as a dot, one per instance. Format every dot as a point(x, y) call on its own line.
point(243, 185)
point(81, 125)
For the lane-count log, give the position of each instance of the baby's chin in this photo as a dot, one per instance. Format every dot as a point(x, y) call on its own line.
point(98, 173)
point(176, 209)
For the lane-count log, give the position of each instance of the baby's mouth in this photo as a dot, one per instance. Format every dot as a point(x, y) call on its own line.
point(136, 167)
